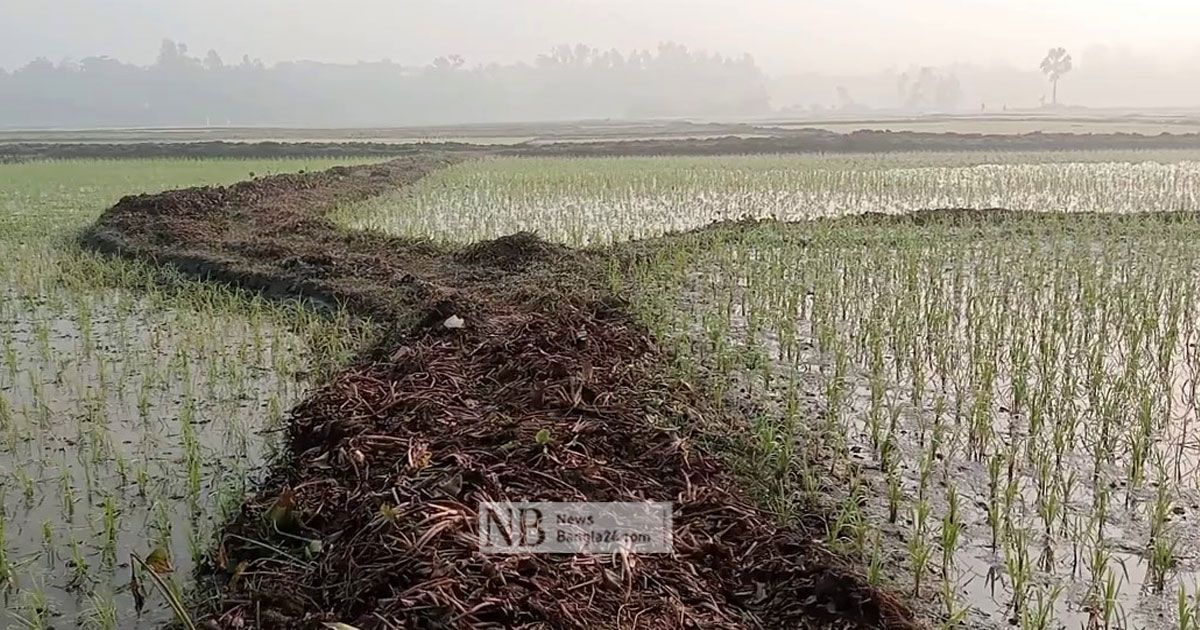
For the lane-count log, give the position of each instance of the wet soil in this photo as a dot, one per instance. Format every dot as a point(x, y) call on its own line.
point(371, 519)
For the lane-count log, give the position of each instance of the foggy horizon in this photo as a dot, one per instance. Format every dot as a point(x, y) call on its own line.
point(138, 62)
point(853, 38)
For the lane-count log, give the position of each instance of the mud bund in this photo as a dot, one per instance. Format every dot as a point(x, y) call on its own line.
point(388, 461)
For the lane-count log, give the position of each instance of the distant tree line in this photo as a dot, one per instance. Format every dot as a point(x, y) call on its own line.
point(570, 82)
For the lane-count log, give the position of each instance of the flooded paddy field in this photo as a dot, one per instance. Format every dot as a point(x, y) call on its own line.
point(1000, 411)
point(590, 201)
point(136, 408)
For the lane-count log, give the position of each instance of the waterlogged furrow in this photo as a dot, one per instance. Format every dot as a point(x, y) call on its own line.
point(1013, 405)
point(604, 200)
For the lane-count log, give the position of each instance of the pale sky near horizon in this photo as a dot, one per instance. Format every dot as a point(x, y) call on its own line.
point(832, 36)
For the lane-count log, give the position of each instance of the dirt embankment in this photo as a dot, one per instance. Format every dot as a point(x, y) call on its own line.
point(389, 461)
point(865, 141)
point(766, 141)
point(270, 235)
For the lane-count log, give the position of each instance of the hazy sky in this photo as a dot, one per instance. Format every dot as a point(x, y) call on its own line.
point(784, 35)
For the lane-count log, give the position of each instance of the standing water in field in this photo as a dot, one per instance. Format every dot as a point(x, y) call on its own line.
point(1010, 399)
point(127, 429)
point(135, 408)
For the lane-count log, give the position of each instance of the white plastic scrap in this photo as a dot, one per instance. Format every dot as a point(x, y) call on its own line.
point(454, 322)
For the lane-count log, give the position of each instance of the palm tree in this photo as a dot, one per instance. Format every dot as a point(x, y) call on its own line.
point(1056, 64)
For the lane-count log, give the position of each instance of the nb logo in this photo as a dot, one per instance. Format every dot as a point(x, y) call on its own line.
point(507, 525)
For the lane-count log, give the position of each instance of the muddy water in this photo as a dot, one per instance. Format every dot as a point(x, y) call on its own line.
point(125, 427)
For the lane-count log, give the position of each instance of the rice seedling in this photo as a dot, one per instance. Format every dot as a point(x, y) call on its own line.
point(6, 568)
point(102, 614)
point(1187, 609)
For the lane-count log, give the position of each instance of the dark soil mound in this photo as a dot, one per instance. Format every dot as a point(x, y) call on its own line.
point(515, 251)
point(389, 461)
point(271, 235)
